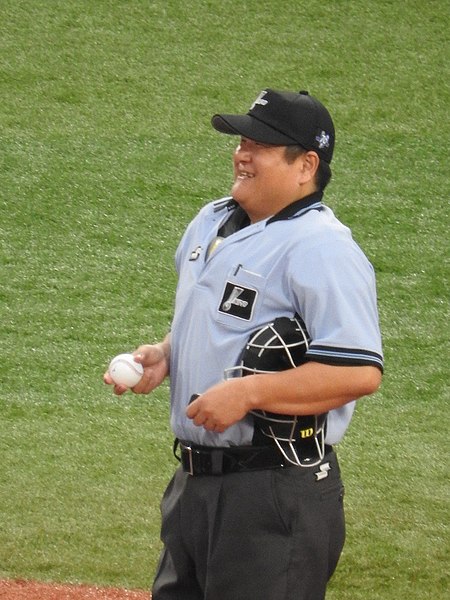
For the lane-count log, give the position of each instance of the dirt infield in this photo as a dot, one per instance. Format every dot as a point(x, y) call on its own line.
point(19, 589)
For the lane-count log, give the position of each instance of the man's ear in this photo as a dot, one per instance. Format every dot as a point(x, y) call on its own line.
point(308, 165)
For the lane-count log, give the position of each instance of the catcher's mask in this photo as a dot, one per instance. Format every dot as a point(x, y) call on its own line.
point(278, 346)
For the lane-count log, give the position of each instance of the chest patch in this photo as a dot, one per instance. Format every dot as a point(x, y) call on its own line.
point(238, 301)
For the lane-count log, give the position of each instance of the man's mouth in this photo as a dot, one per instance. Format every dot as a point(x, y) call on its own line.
point(244, 175)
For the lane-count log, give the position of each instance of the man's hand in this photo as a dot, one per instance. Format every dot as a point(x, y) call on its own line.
point(155, 360)
point(221, 406)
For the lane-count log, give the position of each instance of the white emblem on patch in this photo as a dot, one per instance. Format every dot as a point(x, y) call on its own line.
point(323, 471)
point(234, 299)
point(323, 139)
point(238, 301)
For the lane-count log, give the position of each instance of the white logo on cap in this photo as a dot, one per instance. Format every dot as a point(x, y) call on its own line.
point(323, 139)
point(259, 100)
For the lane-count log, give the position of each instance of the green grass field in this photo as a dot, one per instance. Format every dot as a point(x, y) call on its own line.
point(107, 152)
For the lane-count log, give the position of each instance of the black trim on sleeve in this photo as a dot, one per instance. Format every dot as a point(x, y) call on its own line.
point(344, 356)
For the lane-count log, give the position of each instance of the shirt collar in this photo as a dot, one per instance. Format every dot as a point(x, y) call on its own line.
point(239, 219)
point(299, 207)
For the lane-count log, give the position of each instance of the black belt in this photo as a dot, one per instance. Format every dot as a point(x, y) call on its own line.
point(207, 460)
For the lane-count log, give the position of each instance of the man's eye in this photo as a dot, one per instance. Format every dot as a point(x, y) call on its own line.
point(263, 145)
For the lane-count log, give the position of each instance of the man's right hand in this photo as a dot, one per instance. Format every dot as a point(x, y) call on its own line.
point(155, 360)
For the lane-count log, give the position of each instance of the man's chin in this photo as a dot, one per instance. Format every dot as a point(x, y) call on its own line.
point(240, 191)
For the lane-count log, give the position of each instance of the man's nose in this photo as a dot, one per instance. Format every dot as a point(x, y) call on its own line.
point(242, 154)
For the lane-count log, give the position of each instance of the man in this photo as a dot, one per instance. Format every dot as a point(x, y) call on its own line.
point(252, 514)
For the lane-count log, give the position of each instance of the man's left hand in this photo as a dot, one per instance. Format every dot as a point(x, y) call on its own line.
point(221, 406)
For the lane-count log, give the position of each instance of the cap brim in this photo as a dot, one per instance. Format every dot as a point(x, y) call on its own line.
point(251, 128)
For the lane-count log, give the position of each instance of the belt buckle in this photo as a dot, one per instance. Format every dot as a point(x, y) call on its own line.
point(189, 467)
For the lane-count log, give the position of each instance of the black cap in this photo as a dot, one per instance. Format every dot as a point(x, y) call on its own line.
point(284, 119)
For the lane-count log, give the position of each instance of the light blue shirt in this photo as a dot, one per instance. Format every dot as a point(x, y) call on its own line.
point(307, 264)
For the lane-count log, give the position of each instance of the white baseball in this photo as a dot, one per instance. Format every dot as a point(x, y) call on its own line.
point(125, 370)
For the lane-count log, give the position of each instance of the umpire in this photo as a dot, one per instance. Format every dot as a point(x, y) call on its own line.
point(275, 335)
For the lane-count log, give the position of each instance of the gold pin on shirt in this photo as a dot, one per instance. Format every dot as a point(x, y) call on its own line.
point(213, 245)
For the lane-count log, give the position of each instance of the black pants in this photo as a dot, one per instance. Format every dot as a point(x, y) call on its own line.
point(265, 535)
